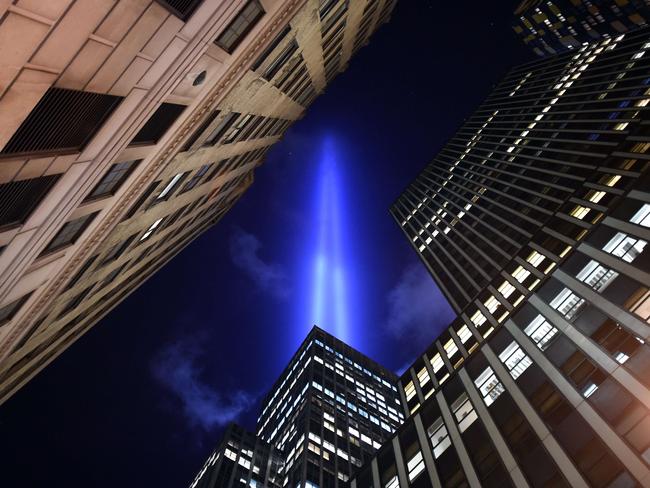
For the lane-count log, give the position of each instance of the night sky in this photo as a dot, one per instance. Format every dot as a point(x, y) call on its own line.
point(142, 399)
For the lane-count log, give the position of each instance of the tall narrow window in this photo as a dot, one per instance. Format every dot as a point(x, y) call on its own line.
point(141, 199)
point(200, 130)
point(464, 412)
point(63, 120)
point(156, 127)
point(439, 436)
point(238, 128)
point(280, 61)
point(118, 249)
point(240, 26)
point(221, 128)
point(271, 47)
point(196, 178)
point(168, 191)
point(75, 302)
point(69, 233)
point(489, 386)
point(18, 199)
point(86, 266)
point(8, 311)
point(113, 179)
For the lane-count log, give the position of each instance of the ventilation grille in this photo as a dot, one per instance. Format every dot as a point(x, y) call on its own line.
point(180, 8)
point(63, 120)
point(18, 199)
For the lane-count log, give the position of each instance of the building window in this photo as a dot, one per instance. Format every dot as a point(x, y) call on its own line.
point(280, 61)
point(489, 386)
point(75, 302)
point(625, 247)
point(69, 233)
point(221, 128)
point(568, 304)
point(141, 199)
point(86, 266)
point(238, 128)
point(113, 179)
point(7, 312)
point(392, 483)
point(196, 178)
point(200, 130)
point(464, 412)
point(18, 199)
point(63, 120)
point(150, 230)
point(240, 26)
point(540, 331)
point(168, 191)
point(118, 249)
point(415, 466)
point(515, 360)
point(439, 436)
point(596, 276)
point(157, 125)
point(271, 47)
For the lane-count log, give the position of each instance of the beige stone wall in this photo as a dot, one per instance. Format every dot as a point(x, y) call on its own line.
point(138, 50)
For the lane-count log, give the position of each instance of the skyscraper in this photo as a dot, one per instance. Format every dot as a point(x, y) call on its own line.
point(551, 27)
point(534, 219)
point(329, 411)
point(242, 459)
point(129, 128)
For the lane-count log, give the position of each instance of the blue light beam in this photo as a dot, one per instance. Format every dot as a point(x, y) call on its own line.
point(329, 299)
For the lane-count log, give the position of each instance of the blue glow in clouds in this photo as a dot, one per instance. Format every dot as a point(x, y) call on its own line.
point(329, 299)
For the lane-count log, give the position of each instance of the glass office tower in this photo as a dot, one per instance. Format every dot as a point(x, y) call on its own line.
point(328, 413)
point(551, 27)
point(535, 219)
point(242, 459)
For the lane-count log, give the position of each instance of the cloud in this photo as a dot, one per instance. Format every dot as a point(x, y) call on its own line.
point(416, 307)
point(268, 277)
point(175, 368)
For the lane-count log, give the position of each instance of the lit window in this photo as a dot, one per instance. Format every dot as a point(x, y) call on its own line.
point(567, 303)
point(535, 258)
point(625, 247)
point(415, 466)
point(167, 191)
point(540, 331)
point(642, 217)
point(392, 483)
point(423, 376)
point(439, 436)
point(451, 348)
point(515, 360)
point(596, 275)
point(520, 274)
point(409, 390)
point(489, 386)
point(464, 334)
point(150, 230)
point(437, 363)
point(464, 412)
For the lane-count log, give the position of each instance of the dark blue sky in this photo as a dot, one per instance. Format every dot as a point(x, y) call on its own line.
point(142, 398)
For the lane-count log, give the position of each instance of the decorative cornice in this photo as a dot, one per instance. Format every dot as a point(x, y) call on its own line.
point(228, 81)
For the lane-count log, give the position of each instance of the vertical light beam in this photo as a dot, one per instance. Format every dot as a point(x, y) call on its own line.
point(329, 308)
